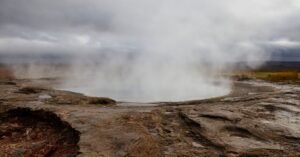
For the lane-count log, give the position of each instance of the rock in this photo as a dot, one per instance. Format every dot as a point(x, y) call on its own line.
point(101, 100)
point(30, 90)
point(195, 144)
point(44, 97)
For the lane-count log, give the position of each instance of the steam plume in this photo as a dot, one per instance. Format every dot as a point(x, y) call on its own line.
point(158, 50)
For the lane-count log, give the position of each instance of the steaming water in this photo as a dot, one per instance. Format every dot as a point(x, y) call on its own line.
point(169, 50)
point(148, 96)
point(172, 93)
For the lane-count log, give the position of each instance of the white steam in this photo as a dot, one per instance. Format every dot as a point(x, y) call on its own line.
point(174, 50)
point(153, 50)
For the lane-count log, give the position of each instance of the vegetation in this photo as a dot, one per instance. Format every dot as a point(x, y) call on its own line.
point(279, 76)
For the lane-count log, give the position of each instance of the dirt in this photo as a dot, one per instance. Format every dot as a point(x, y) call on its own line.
point(36, 133)
point(6, 73)
point(256, 119)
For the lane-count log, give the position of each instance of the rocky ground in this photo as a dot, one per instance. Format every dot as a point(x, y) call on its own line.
point(256, 119)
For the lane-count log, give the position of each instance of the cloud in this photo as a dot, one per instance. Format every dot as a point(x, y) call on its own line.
point(129, 22)
point(285, 43)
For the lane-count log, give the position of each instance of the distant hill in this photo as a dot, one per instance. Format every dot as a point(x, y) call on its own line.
point(57, 58)
point(47, 58)
point(280, 66)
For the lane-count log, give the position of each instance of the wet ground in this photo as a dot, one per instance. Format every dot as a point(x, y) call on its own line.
point(256, 119)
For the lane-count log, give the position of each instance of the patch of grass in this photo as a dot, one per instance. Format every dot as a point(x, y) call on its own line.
point(280, 76)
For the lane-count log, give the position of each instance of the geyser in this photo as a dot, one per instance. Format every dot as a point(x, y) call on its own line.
point(148, 82)
point(148, 50)
point(170, 50)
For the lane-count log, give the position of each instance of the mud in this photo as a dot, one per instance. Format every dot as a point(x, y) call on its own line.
point(256, 119)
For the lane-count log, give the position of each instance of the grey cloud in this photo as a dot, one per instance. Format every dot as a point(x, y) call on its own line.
point(53, 15)
point(58, 21)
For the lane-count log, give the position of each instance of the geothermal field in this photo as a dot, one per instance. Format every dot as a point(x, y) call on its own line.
point(259, 117)
point(149, 78)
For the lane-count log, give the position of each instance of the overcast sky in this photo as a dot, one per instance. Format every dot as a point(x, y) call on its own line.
point(91, 26)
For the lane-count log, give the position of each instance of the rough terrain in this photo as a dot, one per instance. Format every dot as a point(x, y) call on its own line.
point(256, 119)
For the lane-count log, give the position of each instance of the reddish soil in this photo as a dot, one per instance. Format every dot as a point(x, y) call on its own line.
point(6, 73)
point(39, 133)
